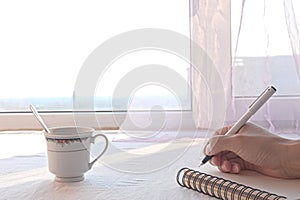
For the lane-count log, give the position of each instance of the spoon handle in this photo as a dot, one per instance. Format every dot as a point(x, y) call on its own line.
point(39, 118)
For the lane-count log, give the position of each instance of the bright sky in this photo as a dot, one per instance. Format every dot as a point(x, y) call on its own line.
point(120, 67)
point(44, 43)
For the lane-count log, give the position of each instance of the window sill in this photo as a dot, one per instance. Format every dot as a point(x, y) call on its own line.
point(100, 121)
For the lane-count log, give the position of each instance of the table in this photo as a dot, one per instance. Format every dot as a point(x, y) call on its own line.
point(130, 169)
point(24, 173)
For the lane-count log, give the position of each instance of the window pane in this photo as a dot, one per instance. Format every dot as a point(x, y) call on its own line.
point(263, 54)
point(44, 44)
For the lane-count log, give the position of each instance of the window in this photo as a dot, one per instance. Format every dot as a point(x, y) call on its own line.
point(262, 51)
point(263, 54)
point(252, 44)
point(44, 44)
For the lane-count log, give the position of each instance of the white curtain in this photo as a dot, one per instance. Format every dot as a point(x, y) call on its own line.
point(252, 44)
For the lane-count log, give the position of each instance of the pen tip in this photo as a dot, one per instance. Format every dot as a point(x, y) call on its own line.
point(200, 164)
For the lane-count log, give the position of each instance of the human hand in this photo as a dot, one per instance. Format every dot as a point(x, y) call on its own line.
point(252, 148)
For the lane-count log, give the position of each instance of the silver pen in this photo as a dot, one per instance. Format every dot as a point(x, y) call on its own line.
point(253, 108)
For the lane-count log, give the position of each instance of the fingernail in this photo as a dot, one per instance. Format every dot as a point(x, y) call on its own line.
point(223, 167)
point(235, 169)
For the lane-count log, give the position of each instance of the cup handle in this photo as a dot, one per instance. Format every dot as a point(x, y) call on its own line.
point(103, 151)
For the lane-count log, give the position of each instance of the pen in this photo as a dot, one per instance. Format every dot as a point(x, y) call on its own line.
point(253, 108)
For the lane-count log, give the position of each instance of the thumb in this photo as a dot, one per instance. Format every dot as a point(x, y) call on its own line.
point(218, 144)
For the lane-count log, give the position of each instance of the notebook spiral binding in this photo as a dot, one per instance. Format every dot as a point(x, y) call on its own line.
point(221, 188)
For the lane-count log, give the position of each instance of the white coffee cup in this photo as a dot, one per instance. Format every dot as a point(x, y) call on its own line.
point(68, 151)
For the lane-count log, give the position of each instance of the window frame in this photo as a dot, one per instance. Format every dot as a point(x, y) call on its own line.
point(27, 121)
point(12, 121)
point(277, 119)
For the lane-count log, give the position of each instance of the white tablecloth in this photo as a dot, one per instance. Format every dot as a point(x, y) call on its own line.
point(24, 173)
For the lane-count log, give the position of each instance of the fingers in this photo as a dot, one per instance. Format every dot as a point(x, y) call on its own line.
point(233, 165)
point(208, 147)
point(235, 168)
point(219, 144)
point(233, 153)
point(216, 160)
point(230, 167)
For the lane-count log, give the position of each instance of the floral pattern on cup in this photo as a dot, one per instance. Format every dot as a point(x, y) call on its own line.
point(63, 142)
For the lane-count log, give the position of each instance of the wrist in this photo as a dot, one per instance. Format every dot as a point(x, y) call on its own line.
point(292, 159)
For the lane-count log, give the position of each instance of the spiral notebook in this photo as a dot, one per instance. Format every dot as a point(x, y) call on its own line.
point(221, 188)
